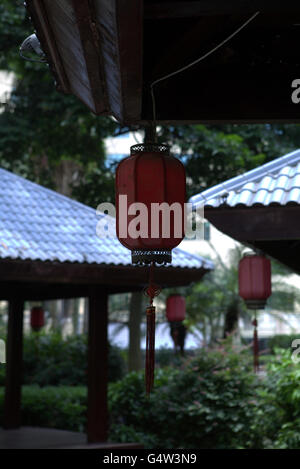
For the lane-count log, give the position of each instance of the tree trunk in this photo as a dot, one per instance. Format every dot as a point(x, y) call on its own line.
point(14, 352)
point(52, 307)
point(85, 316)
point(97, 411)
point(67, 311)
point(135, 319)
point(75, 316)
point(231, 318)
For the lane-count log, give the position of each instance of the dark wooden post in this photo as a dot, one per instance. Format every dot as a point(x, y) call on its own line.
point(97, 424)
point(14, 349)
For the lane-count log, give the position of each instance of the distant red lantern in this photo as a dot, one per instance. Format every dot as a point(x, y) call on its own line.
point(37, 318)
point(175, 310)
point(150, 176)
point(255, 289)
point(255, 280)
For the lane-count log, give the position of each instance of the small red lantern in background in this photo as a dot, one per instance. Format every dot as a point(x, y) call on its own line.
point(175, 310)
point(37, 318)
point(255, 280)
point(150, 175)
point(255, 288)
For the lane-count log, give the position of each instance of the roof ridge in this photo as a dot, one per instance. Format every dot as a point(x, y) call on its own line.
point(51, 191)
point(249, 176)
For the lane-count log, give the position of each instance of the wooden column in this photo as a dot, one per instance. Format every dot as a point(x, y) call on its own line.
point(135, 319)
point(14, 349)
point(97, 423)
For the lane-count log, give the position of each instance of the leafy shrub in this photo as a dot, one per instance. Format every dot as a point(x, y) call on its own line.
point(2, 374)
point(53, 407)
point(279, 411)
point(209, 403)
point(167, 357)
point(50, 360)
point(282, 341)
point(131, 411)
point(212, 400)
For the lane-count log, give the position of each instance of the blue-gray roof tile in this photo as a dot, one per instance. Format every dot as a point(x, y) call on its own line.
point(274, 183)
point(39, 224)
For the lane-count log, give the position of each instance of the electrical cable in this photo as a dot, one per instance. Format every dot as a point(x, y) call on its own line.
point(182, 69)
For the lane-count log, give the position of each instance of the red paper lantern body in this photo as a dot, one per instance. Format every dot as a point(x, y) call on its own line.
point(175, 310)
point(255, 280)
point(150, 175)
point(37, 318)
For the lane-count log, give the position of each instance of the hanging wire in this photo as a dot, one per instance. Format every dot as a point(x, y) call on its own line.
point(186, 67)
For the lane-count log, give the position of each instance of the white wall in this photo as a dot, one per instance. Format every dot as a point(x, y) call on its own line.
point(6, 81)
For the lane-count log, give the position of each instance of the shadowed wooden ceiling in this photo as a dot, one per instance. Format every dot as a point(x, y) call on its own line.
point(108, 52)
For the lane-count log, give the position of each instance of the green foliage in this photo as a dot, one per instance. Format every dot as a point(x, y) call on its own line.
point(14, 26)
point(278, 415)
point(282, 341)
point(213, 154)
point(53, 407)
point(132, 413)
point(166, 357)
point(283, 300)
point(210, 403)
point(214, 303)
point(2, 374)
point(49, 360)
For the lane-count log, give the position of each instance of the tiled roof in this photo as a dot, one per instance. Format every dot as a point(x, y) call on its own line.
point(39, 224)
point(274, 183)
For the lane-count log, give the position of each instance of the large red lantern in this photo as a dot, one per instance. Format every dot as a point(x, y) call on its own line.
point(255, 280)
point(37, 318)
point(175, 310)
point(150, 197)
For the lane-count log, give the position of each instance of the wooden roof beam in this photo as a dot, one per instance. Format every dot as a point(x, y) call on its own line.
point(39, 18)
point(89, 44)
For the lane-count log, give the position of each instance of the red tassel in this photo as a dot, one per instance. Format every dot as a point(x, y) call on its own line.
point(152, 291)
point(150, 349)
point(255, 347)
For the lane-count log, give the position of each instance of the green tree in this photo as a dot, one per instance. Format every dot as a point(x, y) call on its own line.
point(214, 306)
point(47, 136)
point(212, 154)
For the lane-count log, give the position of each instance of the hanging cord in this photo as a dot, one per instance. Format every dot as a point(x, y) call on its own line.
point(151, 291)
point(255, 345)
point(186, 67)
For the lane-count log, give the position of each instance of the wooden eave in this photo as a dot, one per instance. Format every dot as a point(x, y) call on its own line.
point(87, 43)
point(273, 229)
point(41, 280)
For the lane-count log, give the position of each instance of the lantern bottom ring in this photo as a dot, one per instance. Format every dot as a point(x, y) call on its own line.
point(159, 256)
point(255, 304)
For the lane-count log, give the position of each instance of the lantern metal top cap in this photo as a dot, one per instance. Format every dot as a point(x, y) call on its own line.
point(251, 253)
point(150, 147)
point(256, 304)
